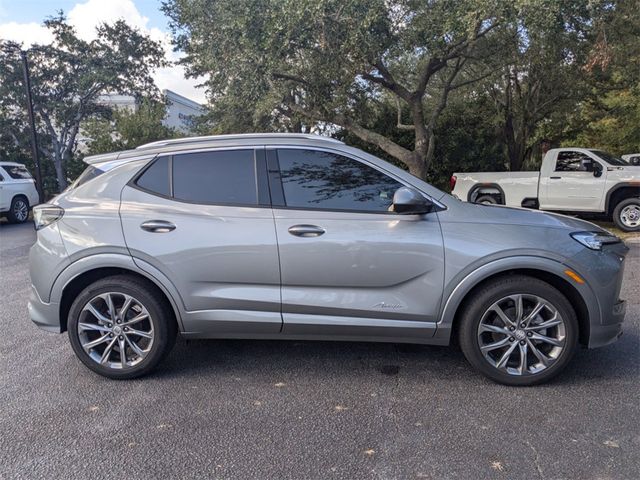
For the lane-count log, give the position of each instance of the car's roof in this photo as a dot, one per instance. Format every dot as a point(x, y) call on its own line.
point(10, 164)
point(187, 143)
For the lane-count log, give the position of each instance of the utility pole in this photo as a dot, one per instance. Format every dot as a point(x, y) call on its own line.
point(32, 124)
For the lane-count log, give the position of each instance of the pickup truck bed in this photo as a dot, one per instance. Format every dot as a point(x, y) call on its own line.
point(524, 183)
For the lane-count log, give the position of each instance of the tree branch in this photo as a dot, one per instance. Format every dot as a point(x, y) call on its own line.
point(369, 136)
point(387, 80)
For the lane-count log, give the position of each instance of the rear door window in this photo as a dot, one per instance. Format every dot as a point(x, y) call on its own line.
point(226, 177)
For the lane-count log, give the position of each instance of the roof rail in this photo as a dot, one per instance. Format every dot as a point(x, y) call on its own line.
point(209, 138)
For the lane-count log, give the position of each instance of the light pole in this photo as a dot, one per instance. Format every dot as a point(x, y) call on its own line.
point(32, 124)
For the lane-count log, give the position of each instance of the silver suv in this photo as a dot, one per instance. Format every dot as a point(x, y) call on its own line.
point(302, 237)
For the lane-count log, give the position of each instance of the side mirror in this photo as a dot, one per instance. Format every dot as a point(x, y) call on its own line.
point(407, 201)
point(597, 170)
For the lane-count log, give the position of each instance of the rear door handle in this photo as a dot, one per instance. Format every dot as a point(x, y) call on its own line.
point(555, 178)
point(158, 226)
point(306, 230)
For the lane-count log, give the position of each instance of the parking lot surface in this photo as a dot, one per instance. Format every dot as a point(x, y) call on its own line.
point(307, 410)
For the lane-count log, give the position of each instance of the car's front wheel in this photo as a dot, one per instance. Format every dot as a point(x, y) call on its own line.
point(121, 327)
point(626, 215)
point(518, 330)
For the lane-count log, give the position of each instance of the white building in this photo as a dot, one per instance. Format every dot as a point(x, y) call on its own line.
point(180, 110)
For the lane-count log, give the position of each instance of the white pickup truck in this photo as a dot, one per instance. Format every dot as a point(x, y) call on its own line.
point(17, 192)
point(571, 180)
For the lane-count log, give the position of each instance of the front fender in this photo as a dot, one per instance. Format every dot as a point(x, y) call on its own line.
point(462, 284)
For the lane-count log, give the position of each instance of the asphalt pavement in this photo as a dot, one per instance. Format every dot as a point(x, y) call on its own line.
point(307, 410)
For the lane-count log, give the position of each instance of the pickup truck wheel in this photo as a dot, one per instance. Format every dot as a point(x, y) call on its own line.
point(19, 210)
point(487, 200)
point(626, 215)
point(518, 331)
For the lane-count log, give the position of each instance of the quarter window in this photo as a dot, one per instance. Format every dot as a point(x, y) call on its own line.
point(327, 181)
point(156, 177)
point(218, 177)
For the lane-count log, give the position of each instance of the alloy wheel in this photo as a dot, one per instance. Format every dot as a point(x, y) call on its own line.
point(20, 210)
point(115, 330)
point(521, 334)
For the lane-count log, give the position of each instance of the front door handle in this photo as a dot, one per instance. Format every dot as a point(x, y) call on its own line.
point(555, 178)
point(306, 230)
point(158, 226)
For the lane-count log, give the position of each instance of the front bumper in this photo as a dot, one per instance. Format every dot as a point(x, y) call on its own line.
point(44, 315)
point(611, 327)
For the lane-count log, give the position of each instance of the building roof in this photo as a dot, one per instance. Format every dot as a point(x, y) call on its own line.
point(177, 98)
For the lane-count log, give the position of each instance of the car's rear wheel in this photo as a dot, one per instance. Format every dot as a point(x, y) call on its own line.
point(19, 210)
point(121, 327)
point(518, 330)
point(626, 215)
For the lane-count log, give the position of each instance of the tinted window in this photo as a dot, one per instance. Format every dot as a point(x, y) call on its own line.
point(156, 177)
point(89, 173)
point(322, 180)
point(574, 162)
point(17, 172)
point(216, 177)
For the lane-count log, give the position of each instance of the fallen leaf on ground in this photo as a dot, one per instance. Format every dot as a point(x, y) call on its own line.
point(497, 466)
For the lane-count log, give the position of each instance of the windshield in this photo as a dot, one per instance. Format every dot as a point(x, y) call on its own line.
point(17, 171)
point(610, 159)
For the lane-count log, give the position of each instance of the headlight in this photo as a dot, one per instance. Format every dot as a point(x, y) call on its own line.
point(595, 240)
point(46, 214)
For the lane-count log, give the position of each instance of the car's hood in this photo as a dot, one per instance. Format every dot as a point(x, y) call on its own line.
point(498, 214)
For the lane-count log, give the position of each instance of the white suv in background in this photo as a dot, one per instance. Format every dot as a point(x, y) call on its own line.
point(17, 192)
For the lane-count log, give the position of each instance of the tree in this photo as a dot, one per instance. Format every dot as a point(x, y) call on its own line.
point(275, 62)
point(126, 129)
point(538, 72)
point(70, 75)
point(608, 117)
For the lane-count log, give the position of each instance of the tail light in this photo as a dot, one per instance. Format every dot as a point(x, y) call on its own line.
point(452, 182)
point(46, 214)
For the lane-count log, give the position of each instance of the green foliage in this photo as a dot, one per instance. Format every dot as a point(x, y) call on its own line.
point(609, 117)
point(284, 64)
point(127, 129)
point(69, 76)
point(489, 79)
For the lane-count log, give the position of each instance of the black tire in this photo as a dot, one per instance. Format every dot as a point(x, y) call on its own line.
point(160, 316)
point(618, 212)
point(19, 206)
point(485, 297)
point(487, 200)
